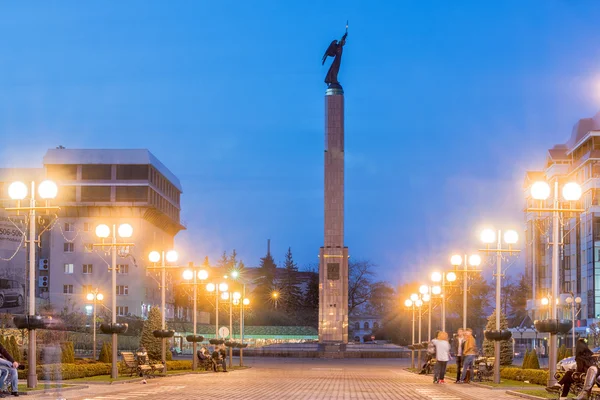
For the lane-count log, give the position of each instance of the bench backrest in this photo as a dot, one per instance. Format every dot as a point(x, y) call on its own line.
point(128, 359)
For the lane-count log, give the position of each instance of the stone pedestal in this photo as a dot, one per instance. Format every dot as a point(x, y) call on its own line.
point(333, 257)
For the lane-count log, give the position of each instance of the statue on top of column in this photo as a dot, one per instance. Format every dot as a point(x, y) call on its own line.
point(335, 50)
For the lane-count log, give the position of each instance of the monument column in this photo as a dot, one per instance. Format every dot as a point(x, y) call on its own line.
point(333, 257)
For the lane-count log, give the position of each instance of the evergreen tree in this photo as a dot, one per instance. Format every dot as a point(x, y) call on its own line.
point(291, 293)
point(223, 261)
point(266, 281)
point(525, 359)
point(562, 353)
point(506, 353)
point(152, 344)
point(16, 350)
point(106, 353)
point(232, 261)
point(206, 263)
point(534, 362)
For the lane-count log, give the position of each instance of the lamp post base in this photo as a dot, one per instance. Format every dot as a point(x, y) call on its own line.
point(32, 360)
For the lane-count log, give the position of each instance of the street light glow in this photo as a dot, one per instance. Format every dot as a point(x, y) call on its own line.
point(414, 297)
point(188, 274)
point(154, 256)
point(125, 230)
point(17, 190)
point(275, 295)
point(246, 302)
point(474, 260)
point(488, 236)
point(408, 303)
point(436, 277)
point(426, 297)
point(90, 296)
point(235, 274)
point(511, 237)
point(545, 301)
point(172, 256)
point(540, 190)
point(419, 303)
point(436, 290)
point(451, 277)
point(100, 297)
point(225, 295)
point(102, 231)
point(456, 260)
point(423, 289)
point(237, 295)
point(223, 287)
point(47, 190)
point(203, 274)
point(210, 287)
point(571, 191)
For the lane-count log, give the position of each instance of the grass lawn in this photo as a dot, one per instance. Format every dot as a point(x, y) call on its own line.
point(107, 378)
point(540, 393)
point(41, 386)
point(511, 383)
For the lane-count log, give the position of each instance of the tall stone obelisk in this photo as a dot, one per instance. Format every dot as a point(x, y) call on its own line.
point(333, 257)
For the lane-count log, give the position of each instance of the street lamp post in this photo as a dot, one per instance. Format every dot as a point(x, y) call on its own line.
point(202, 275)
point(243, 301)
point(154, 257)
point(411, 304)
point(572, 301)
point(217, 288)
point(571, 192)
point(103, 231)
point(443, 277)
point(18, 191)
point(473, 261)
point(427, 293)
point(488, 236)
point(94, 296)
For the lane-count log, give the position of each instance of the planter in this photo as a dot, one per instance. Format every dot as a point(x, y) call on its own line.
point(241, 345)
point(30, 322)
point(553, 326)
point(498, 336)
point(194, 339)
point(230, 344)
point(410, 347)
point(163, 333)
point(216, 341)
point(117, 328)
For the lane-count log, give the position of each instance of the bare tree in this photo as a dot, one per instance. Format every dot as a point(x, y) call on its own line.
point(360, 280)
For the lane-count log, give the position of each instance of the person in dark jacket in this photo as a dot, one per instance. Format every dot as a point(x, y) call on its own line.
point(220, 356)
point(585, 361)
point(8, 366)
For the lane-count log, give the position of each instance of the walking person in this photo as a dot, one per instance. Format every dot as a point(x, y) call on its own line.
point(442, 356)
point(459, 342)
point(469, 352)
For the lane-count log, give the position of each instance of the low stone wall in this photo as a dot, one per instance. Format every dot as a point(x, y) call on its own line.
point(322, 354)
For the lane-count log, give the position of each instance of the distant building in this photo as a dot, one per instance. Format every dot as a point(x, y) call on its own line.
point(579, 266)
point(363, 325)
point(106, 187)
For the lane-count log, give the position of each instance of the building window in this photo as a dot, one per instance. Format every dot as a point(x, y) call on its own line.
point(375, 325)
point(123, 269)
point(88, 268)
point(132, 193)
point(88, 247)
point(122, 290)
point(357, 326)
point(69, 227)
point(96, 172)
point(366, 325)
point(68, 289)
point(85, 289)
point(68, 268)
point(69, 247)
point(87, 227)
point(132, 172)
point(122, 311)
point(95, 193)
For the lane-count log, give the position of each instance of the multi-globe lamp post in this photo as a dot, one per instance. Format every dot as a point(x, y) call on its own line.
point(541, 192)
point(472, 261)
point(197, 277)
point(416, 302)
point(488, 237)
point(18, 191)
point(163, 257)
point(242, 301)
point(573, 302)
point(427, 293)
point(446, 280)
point(124, 231)
point(94, 296)
point(220, 290)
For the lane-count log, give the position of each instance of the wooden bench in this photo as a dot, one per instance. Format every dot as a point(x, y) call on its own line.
point(133, 366)
point(143, 362)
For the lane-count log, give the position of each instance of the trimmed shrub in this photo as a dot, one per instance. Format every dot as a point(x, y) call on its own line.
point(68, 353)
point(526, 359)
point(106, 353)
point(534, 362)
point(535, 376)
point(178, 365)
point(15, 350)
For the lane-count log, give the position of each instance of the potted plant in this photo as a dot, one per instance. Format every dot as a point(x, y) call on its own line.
point(163, 333)
point(117, 327)
point(496, 336)
point(194, 339)
point(30, 322)
point(553, 325)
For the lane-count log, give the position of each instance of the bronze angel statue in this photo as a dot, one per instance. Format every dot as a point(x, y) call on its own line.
point(334, 50)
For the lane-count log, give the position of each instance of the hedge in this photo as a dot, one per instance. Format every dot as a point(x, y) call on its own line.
point(178, 365)
point(535, 376)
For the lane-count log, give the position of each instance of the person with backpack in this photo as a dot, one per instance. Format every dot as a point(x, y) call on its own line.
point(442, 356)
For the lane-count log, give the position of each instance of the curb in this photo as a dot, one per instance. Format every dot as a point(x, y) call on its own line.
point(523, 395)
point(54, 390)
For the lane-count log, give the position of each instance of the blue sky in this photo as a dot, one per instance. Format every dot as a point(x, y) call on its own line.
point(447, 104)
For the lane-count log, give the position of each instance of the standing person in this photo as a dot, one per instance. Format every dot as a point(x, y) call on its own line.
point(460, 346)
point(442, 356)
point(469, 352)
point(8, 366)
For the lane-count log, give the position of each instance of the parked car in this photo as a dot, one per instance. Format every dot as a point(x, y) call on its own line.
point(11, 292)
point(175, 351)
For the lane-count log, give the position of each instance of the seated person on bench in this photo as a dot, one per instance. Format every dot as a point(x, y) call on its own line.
point(219, 356)
point(8, 366)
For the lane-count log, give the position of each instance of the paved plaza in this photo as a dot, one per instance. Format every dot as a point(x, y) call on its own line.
point(278, 379)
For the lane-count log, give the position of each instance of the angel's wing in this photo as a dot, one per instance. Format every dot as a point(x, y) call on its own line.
point(330, 51)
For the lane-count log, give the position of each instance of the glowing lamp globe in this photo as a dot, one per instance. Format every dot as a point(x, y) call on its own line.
point(210, 287)
point(47, 190)
point(203, 274)
point(540, 190)
point(408, 303)
point(571, 191)
point(17, 190)
point(511, 237)
point(423, 289)
point(569, 300)
point(414, 297)
point(225, 295)
point(237, 295)
point(456, 260)
point(436, 277)
point(488, 236)
point(235, 274)
point(172, 256)
point(246, 302)
point(125, 230)
point(102, 231)
point(545, 301)
point(100, 296)
point(154, 256)
point(188, 274)
point(578, 300)
point(451, 277)
point(223, 287)
point(436, 290)
point(426, 297)
point(90, 296)
point(419, 303)
point(475, 260)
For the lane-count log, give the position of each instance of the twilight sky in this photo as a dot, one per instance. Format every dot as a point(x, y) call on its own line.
point(446, 106)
